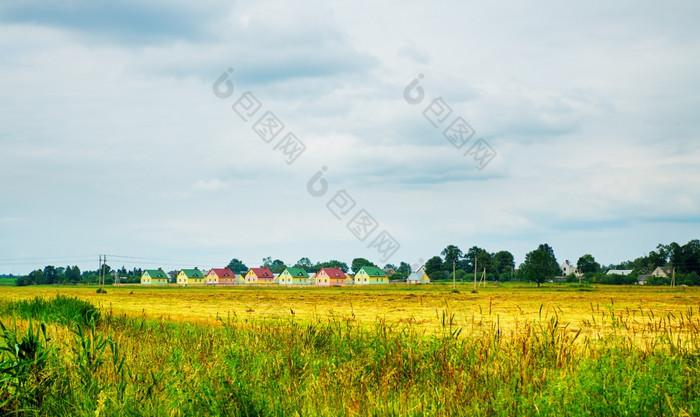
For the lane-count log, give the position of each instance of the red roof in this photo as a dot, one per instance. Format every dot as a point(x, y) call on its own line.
point(334, 272)
point(223, 272)
point(262, 272)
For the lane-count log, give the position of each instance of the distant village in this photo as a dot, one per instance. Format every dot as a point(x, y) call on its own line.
point(367, 275)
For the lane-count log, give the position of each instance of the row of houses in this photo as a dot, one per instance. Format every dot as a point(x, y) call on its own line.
point(367, 275)
point(660, 271)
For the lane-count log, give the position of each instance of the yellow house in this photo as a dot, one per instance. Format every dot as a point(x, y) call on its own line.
point(370, 275)
point(259, 276)
point(418, 277)
point(190, 277)
point(220, 276)
point(154, 276)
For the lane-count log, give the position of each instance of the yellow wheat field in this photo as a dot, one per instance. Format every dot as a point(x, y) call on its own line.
point(597, 310)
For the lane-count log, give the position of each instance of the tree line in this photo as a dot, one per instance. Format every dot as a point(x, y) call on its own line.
point(540, 265)
point(50, 275)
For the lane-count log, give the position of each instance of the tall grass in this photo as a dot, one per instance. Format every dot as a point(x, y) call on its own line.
point(334, 367)
point(60, 309)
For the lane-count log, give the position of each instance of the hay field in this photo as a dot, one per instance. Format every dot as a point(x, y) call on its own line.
point(356, 351)
point(594, 310)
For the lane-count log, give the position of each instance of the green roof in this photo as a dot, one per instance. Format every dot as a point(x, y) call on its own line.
point(193, 273)
point(297, 272)
point(156, 273)
point(373, 271)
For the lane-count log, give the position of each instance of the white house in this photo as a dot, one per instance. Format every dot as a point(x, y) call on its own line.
point(567, 269)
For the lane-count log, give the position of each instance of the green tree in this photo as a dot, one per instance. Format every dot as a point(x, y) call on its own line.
point(433, 265)
point(50, 274)
point(475, 256)
point(452, 254)
point(277, 266)
point(550, 251)
point(690, 253)
point(304, 263)
point(73, 274)
point(461, 275)
point(503, 262)
point(36, 277)
point(539, 266)
point(237, 267)
point(332, 264)
point(404, 268)
point(587, 263)
point(358, 263)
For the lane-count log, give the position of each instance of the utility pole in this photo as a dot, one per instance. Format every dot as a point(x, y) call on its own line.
point(102, 274)
point(454, 275)
point(116, 277)
point(673, 277)
point(99, 271)
point(476, 261)
point(483, 278)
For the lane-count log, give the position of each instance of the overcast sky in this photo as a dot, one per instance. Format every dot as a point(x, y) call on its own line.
point(113, 141)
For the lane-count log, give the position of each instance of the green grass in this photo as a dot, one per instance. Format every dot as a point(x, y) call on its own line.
point(7, 281)
point(60, 309)
point(333, 367)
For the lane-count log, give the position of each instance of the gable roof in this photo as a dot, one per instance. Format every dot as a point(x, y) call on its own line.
point(222, 272)
point(416, 276)
point(373, 271)
point(333, 272)
point(156, 273)
point(297, 272)
point(262, 272)
point(193, 273)
point(619, 271)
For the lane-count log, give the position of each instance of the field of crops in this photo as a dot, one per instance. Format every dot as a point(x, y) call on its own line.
point(385, 350)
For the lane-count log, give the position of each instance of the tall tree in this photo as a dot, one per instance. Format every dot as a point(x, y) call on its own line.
point(433, 265)
point(479, 257)
point(452, 254)
point(72, 274)
point(539, 266)
point(36, 277)
point(689, 259)
point(304, 263)
point(404, 268)
point(503, 263)
point(50, 274)
point(237, 267)
point(358, 263)
point(587, 263)
point(277, 266)
point(550, 251)
point(471, 256)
